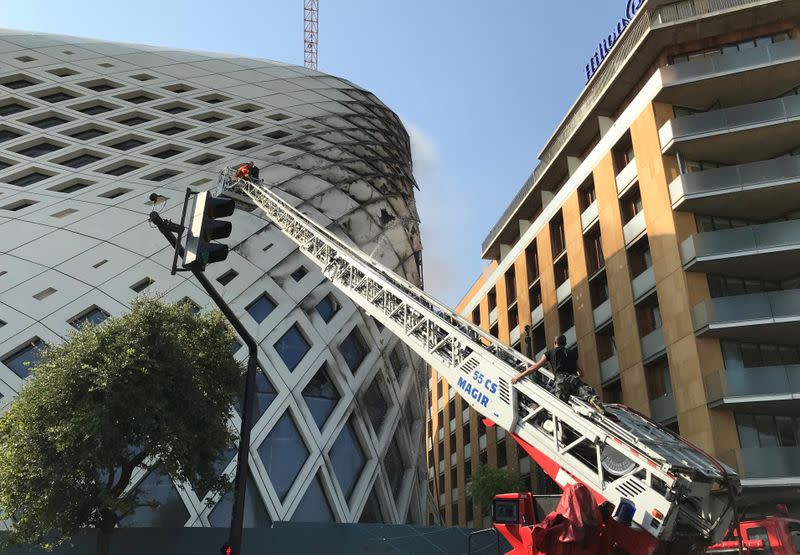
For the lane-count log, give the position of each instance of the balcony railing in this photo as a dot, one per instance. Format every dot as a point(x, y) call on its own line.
point(537, 315)
point(602, 313)
point(634, 228)
point(733, 179)
point(663, 408)
point(765, 463)
point(590, 215)
point(609, 369)
point(779, 382)
point(643, 283)
point(743, 60)
point(653, 344)
point(767, 112)
point(750, 240)
point(514, 335)
point(627, 177)
point(563, 291)
point(572, 336)
point(747, 310)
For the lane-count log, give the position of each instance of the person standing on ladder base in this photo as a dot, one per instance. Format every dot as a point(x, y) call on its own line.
point(568, 374)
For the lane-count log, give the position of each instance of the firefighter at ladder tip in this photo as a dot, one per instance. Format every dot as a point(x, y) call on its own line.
point(568, 374)
point(248, 171)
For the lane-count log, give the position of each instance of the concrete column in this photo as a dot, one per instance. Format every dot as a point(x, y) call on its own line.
point(689, 359)
point(626, 329)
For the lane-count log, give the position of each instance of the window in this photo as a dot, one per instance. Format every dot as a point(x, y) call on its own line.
point(314, 506)
point(166, 153)
point(375, 403)
point(80, 161)
point(561, 271)
point(767, 430)
point(7, 135)
point(260, 308)
point(64, 213)
point(17, 82)
point(321, 396)
point(71, 186)
point(277, 134)
point(88, 134)
point(48, 122)
point(12, 108)
point(161, 505)
point(19, 205)
point(227, 277)
point(94, 316)
point(299, 273)
point(162, 175)
point(348, 459)
point(594, 252)
point(292, 347)
point(557, 239)
point(172, 130)
point(659, 382)
point(26, 357)
point(127, 144)
point(241, 146)
point(194, 307)
point(511, 285)
point(140, 286)
point(55, 97)
point(114, 193)
point(396, 362)
point(94, 109)
point(255, 513)
point(726, 286)
point(587, 194)
point(328, 307)
point(354, 349)
point(122, 169)
point(207, 138)
point(133, 120)
point(274, 117)
point(631, 204)
point(29, 179)
point(204, 159)
point(283, 454)
point(40, 149)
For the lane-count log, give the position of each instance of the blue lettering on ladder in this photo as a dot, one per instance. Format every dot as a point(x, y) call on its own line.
point(475, 392)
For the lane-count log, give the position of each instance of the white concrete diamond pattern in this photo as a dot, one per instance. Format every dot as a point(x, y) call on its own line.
point(90, 130)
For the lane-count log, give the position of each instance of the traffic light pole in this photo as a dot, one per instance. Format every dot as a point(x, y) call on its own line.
point(243, 462)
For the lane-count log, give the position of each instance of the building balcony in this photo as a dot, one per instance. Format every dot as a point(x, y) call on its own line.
point(767, 251)
point(563, 291)
point(740, 134)
point(643, 284)
point(537, 315)
point(602, 313)
point(572, 336)
point(663, 409)
point(590, 215)
point(514, 335)
point(634, 228)
point(493, 316)
point(733, 77)
point(762, 389)
point(765, 466)
point(627, 177)
point(772, 317)
point(741, 191)
point(609, 369)
point(653, 344)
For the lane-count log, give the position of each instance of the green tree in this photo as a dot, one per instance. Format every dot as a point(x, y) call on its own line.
point(487, 482)
point(152, 388)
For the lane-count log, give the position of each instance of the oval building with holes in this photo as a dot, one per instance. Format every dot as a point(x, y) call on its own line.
point(91, 130)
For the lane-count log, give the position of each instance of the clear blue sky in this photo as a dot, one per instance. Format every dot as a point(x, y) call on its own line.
point(480, 84)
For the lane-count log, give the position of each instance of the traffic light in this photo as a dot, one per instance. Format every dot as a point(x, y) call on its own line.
point(204, 228)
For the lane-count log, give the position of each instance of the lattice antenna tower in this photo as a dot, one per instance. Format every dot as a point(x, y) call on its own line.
point(311, 32)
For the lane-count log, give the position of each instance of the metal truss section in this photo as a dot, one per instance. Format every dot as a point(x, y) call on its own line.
point(621, 455)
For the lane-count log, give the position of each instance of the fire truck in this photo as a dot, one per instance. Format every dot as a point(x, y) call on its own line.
point(648, 490)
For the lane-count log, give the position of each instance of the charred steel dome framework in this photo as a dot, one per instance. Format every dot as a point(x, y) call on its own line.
point(91, 129)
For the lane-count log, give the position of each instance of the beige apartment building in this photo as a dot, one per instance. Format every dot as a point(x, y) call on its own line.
point(660, 232)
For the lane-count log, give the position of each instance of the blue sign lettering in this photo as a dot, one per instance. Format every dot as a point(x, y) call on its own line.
point(608, 43)
point(478, 392)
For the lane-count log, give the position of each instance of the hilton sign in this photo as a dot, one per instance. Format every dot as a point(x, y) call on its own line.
point(608, 43)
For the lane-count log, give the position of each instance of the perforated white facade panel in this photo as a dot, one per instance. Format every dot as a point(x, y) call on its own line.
point(90, 130)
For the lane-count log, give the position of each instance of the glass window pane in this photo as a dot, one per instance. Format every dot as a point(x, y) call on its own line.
point(372, 513)
point(751, 355)
point(354, 349)
point(292, 347)
point(283, 453)
point(731, 355)
point(767, 430)
point(23, 359)
point(396, 362)
point(265, 394)
point(770, 355)
point(328, 307)
point(789, 355)
point(348, 459)
point(167, 510)
point(255, 513)
point(321, 396)
point(748, 435)
point(375, 403)
point(93, 316)
point(786, 432)
point(395, 467)
point(314, 507)
point(260, 308)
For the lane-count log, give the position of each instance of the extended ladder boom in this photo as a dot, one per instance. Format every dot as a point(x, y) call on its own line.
point(620, 455)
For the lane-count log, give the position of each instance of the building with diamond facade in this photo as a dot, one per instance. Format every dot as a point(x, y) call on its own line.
point(90, 130)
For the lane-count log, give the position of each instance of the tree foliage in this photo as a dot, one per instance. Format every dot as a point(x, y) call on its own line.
point(487, 482)
point(152, 387)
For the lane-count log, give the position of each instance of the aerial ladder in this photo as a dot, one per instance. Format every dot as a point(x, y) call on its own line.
point(674, 493)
